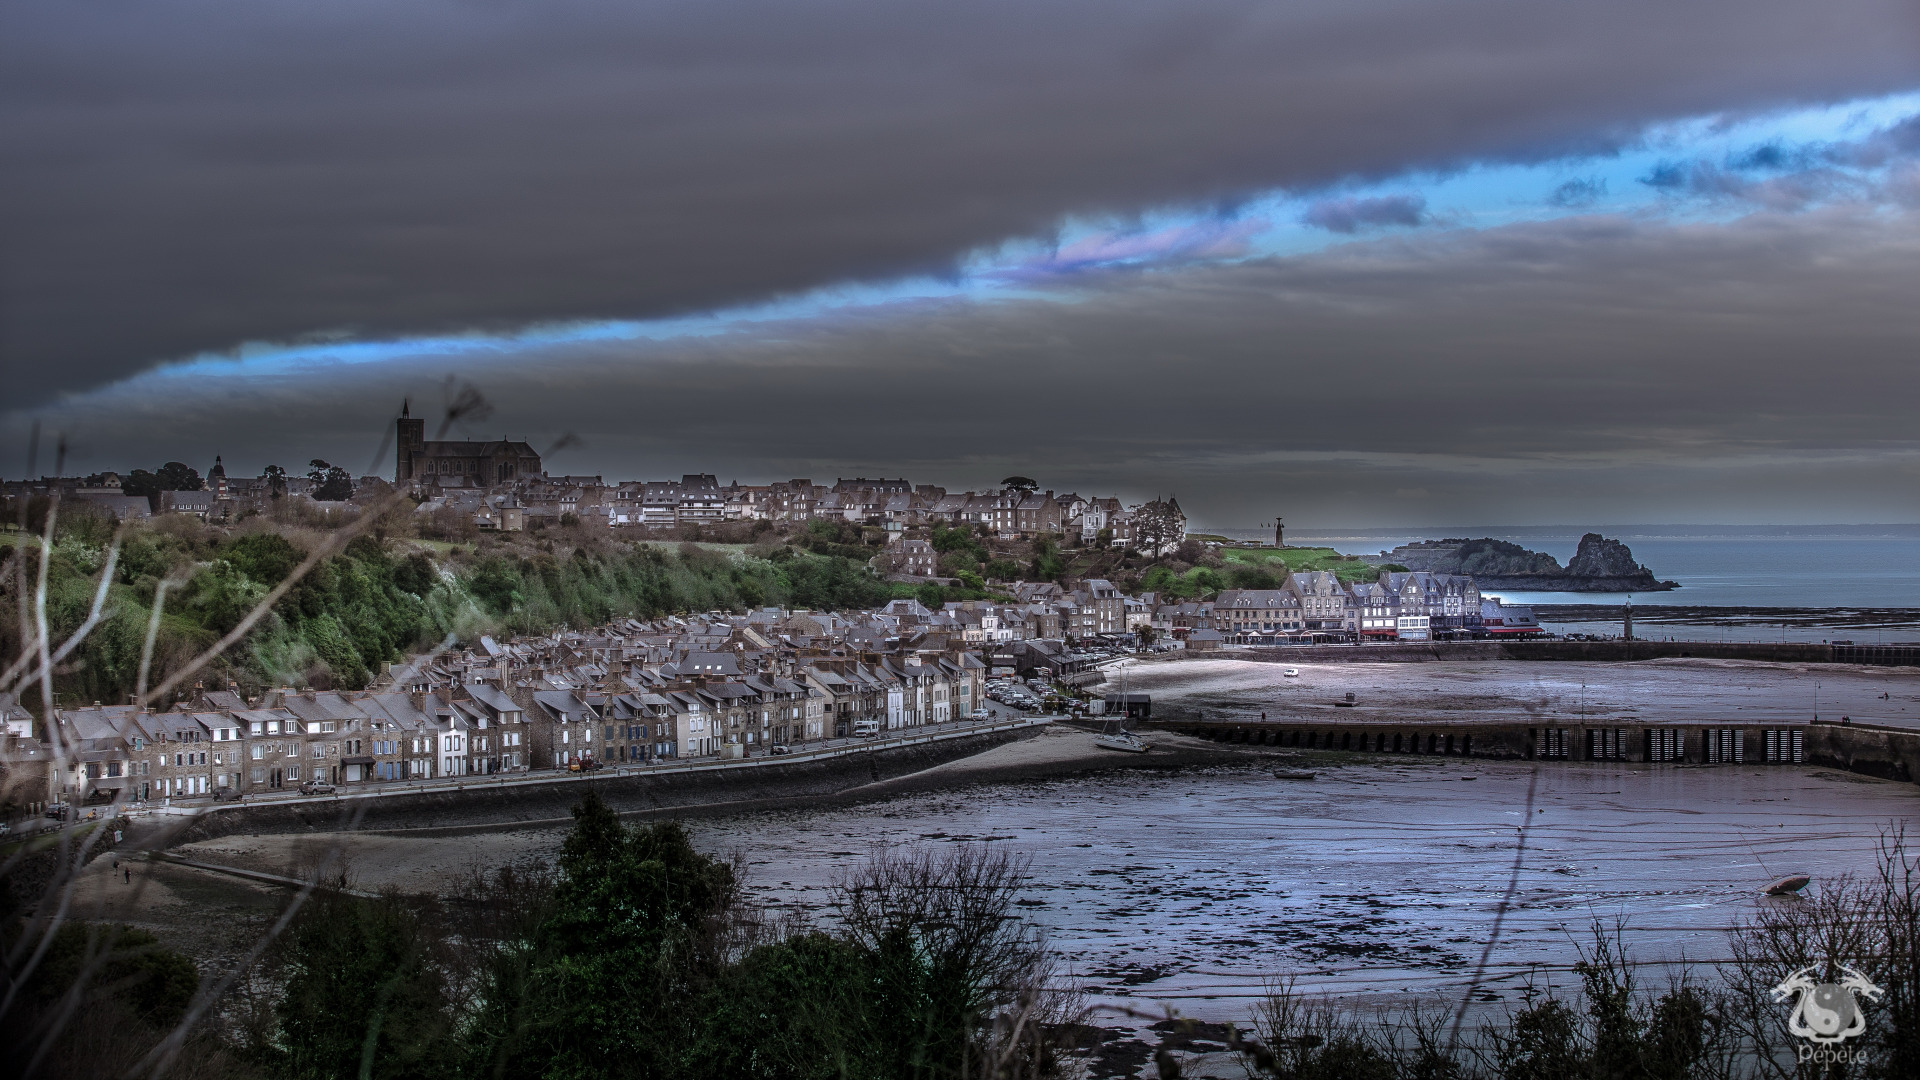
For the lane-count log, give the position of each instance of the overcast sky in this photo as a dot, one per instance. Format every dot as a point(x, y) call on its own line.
point(1360, 263)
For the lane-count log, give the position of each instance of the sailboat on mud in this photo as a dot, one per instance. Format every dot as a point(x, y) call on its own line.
point(1113, 733)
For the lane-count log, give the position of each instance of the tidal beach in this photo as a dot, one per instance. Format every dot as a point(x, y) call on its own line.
point(1681, 690)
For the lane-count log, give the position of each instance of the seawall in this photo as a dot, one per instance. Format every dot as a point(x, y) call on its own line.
point(1884, 752)
point(685, 791)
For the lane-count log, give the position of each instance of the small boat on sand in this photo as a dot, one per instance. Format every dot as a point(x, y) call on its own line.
point(1291, 774)
point(1290, 673)
point(1788, 886)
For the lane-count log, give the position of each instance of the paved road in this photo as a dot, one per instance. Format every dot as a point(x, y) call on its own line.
point(546, 776)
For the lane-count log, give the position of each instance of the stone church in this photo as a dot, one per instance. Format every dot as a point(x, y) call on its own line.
point(493, 463)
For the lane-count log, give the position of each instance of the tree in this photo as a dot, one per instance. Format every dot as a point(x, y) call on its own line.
point(1047, 564)
point(636, 929)
point(331, 483)
point(1253, 577)
point(800, 1005)
point(176, 476)
point(1020, 483)
point(276, 481)
point(173, 476)
point(364, 995)
point(944, 948)
point(1159, 527)
point(142, 482)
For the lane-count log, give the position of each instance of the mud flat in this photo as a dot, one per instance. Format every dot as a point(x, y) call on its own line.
point(1377, 881)
point(1648, 691)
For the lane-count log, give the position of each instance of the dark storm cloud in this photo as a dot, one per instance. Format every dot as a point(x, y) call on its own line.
point(180, 176)
point(1582, 370)
point(1352, 215)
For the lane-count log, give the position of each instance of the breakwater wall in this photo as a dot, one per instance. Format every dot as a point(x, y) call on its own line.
point(676, 791)
point(1888, 753)
point(1773, 652)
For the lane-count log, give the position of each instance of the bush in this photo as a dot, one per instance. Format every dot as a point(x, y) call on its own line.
point(364, 995)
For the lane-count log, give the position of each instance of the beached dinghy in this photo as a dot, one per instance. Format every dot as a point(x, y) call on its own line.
point(1788, 886)
point(1291, 774)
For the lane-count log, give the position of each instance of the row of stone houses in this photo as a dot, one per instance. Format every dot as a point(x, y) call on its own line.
point(699, 499)
point(1316, 605)
point(507, 495)
point(635, 693)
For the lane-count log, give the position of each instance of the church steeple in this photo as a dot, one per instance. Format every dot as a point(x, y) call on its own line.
point(410, 436)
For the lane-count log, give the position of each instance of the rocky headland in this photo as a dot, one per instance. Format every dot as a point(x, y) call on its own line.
point(1600, 565)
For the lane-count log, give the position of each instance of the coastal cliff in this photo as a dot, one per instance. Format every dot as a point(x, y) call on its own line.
point(1600, 565)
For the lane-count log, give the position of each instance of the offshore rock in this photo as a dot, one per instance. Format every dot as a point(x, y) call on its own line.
point(1600, 565)
point(1600, 557)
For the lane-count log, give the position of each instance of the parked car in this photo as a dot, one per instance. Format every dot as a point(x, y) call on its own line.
point(778, 748)
point(59, 811)
point(226, 794)
point(316, 787)
point(983, 714)
point(866, 729)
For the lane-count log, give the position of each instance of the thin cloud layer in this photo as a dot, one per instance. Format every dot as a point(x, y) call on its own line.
point(1588, 369)
point(189, 175)
point(1352, 215)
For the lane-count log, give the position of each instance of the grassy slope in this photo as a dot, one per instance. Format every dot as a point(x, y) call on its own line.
point(1349, 568)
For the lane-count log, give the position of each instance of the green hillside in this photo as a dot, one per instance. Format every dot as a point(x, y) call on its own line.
point(378, 598)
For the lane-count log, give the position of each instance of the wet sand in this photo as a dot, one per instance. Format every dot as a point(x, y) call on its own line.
point(1731, 691)
point(1377, 879)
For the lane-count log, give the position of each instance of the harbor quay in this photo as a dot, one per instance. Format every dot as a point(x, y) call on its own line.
point(1886, 752)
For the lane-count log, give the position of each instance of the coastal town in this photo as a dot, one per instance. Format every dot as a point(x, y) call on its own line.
point(712, 685)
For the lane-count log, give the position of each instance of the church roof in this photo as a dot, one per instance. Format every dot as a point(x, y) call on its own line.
point(476, 449)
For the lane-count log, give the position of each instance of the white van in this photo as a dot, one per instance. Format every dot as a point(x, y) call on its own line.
point(866, 729)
